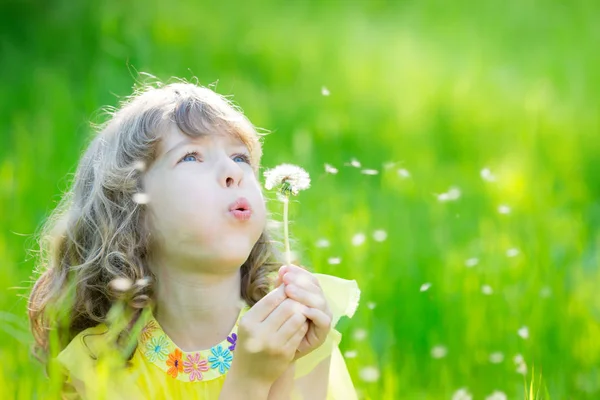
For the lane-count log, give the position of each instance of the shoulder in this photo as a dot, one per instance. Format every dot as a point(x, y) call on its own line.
point(82, 351)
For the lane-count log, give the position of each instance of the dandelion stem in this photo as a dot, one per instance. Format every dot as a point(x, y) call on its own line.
point(286, 230)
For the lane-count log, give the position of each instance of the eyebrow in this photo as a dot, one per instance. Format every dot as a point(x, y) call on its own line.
point(237, 143)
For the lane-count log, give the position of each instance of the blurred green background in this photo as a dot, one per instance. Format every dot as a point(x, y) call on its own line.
point(475, 244)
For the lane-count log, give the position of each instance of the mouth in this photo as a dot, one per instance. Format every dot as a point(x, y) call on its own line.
point(240, 209)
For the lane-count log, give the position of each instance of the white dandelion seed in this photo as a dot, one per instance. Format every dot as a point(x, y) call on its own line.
point(471, 262)
point(351, 354)
point(143, 281)
point(121, 284)
point(288, 178)
point(425, 287)
point(139, 165)
point(512, 252)
point(354, 163)
point(518, 359)
point(380, 235)
point(330, 169)
point(334, 260)
point(504, 209)
point(496, 357)
point(369, 374)
point(439, 351)
point(545, 292)
point(325, 91)
point(359, 334)
point(487, 175)
point(496, 395)
point(522, 369)
point(523, 332)
point(141, 198)
point(487, 290)
point(358, 239)
point(389, 164)
point(462, 394)
point(452, 194)
point(322, 243)
point(403, 173)
point(369, 172)
point(371, 305)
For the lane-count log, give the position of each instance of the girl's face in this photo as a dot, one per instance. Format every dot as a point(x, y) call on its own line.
point(193, 186)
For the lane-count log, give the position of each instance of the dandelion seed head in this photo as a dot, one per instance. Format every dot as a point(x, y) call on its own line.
point(425, 287)
point(358, 239)
point(141, 198)
point(380, 235)
point(287, 178)
point(330, 169)
point(496, 357)
point(439, 351)
point(369, 374)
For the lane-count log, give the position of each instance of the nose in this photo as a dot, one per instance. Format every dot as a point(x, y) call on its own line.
point(231, 174)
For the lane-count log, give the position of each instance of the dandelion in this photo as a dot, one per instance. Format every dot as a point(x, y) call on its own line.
point(358, 239)
point(425, 287)
point(379, 235)
point(471, 262)
point(462, 394)
point(487, 175)
point(288, 180)
point(487, 290)
point(439, 351)
point(334, 260)
point(403, 173)
point(369, 374)
point(330, 169)
point(496, 395)
point(369, 172)
point(512, 252)
point(524, 332)
point(322, 243)
point(325, 91)
point(141, 198)
point(504, 209)
point(496, 357)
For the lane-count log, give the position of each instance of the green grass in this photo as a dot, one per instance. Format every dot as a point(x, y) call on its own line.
point(443, 88)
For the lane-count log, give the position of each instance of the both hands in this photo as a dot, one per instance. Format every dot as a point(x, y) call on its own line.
point(285, 325)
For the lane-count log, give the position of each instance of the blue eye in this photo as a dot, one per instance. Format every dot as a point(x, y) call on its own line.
point(241, 158)
point(191, 156)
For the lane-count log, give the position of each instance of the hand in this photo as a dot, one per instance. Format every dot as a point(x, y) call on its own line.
point(269, 335)
point(303, 287)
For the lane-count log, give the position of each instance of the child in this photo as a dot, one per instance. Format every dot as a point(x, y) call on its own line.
point(166, 223)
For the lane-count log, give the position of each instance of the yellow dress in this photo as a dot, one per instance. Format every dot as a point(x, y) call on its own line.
point(160, 370)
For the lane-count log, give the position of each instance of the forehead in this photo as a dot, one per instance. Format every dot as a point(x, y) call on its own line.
point(171, 136)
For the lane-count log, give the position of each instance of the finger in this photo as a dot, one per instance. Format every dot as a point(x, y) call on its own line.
point(306, 297)
point(290, 327)
point(295, 340)
point(321, 319)
point(261, 310)
point(296, 272)
point(303, 283)
point(281, 314)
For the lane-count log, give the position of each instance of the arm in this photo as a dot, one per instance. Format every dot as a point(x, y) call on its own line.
point(314, 384)
point(239, 387)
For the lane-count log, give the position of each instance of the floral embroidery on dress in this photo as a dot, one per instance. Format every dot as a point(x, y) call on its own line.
point(157, 348)
point(233, 340)
point(175, 363)
point(195, 366)
point(147, 330)
point(221, 359)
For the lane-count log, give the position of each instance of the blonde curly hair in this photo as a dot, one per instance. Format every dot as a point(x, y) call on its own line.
point(98, 233)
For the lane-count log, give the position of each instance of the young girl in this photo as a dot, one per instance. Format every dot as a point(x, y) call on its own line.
point(166, 223)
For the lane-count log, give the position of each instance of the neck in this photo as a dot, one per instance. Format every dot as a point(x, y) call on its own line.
point(196, 309)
